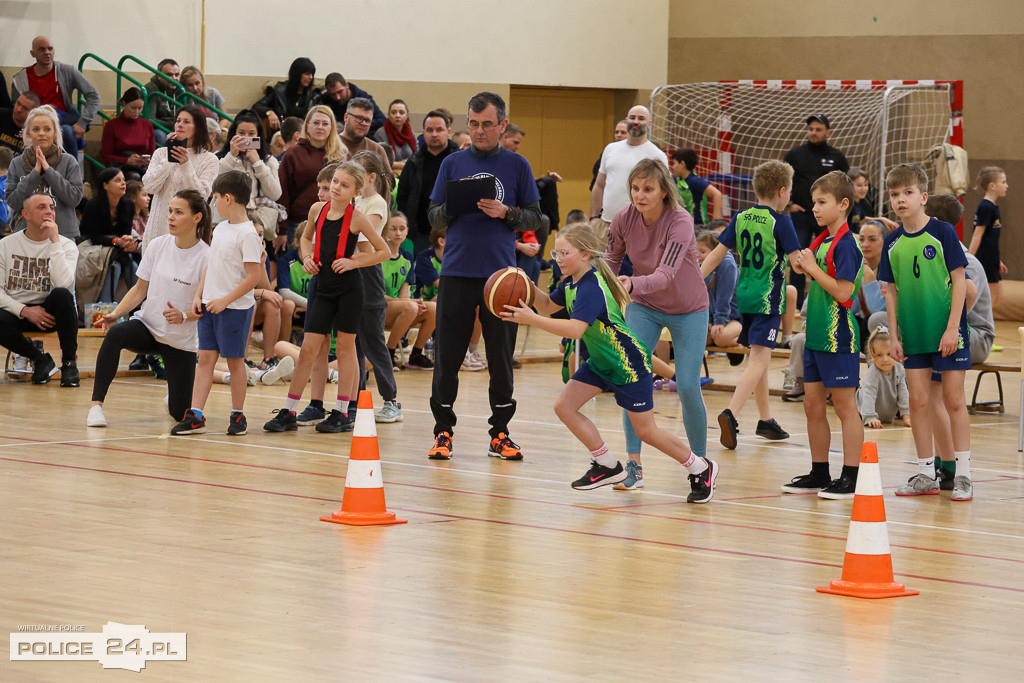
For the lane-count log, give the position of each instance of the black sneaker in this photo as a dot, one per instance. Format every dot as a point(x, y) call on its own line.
point(702, 486)
point(190, 424)
point(139, 363)
point(43, 369)
point(840, 489)
point(599, 475)
point(336, 422)
point(730, 428)
point(237, 425)
point(283, 421)
point(734, 358)
point(770, 429)
point(806, 483)
point(156, 365)
point(418, 361)
point(945, 479)
point(69, 374)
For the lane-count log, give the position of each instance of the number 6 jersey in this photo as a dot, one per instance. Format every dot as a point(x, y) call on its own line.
point(763, 237)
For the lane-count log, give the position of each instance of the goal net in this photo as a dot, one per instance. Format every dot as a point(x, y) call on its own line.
point(734, 126)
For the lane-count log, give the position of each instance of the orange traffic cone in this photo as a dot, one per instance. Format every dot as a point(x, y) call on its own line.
point(867, 568)
point(363, 503)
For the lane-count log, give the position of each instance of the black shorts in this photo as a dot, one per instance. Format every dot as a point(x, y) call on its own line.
point(992, 272)
point(335, 312)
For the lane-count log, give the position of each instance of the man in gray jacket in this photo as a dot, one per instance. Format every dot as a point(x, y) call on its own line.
point(55, 83)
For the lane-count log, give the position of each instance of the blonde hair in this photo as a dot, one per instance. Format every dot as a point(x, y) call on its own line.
point(189, 72)
point(299, 229)
point(770, 177)
point(334, 149)
point(583, 238)
point(837, 184)
point(653, 169)
point(51, 113)
point(906, 175)
point(986, 176)
point(355, 170)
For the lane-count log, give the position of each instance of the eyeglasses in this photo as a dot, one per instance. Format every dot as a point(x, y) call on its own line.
point(486, 125)
point(560, 255)
point(360, 119)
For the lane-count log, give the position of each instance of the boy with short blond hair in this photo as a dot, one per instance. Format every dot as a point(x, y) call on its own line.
point(927, 320)
point(834, 265)
point(764, 238)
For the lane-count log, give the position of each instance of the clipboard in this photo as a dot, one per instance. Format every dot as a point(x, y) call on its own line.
point(461, 196)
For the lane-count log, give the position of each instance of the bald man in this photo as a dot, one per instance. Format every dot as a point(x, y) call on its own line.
point(55, 83)
point(610, 193)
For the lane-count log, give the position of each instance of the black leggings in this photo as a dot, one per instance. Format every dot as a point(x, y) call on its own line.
point(134, 335)
point(61, 305)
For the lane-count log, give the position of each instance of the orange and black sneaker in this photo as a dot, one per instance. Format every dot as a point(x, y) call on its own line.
point(443, 448)
point(504, 448)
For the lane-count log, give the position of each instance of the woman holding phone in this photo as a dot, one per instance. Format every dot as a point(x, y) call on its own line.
point(186, 163)
point(245, 151)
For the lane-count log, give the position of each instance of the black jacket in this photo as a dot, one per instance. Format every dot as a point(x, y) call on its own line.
point(275, 100)
point(411, 187)
point(339, 108)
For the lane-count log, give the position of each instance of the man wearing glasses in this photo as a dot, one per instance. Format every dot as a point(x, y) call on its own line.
point(477, 244)
point(355, 134)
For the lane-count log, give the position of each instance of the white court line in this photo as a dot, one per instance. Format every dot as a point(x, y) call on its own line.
point(57, 443)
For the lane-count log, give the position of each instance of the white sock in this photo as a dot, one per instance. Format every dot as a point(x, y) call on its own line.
point(227, 378)
point(695, 464)
point(963, 463)
point(926, 467)
point(341, 405)
point(603, 457)
point(292, 403)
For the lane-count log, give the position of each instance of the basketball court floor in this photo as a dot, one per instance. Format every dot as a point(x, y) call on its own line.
point(503, 572)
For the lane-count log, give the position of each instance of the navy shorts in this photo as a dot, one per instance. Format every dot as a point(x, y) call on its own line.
point(834, 370)
point(636, 397)
point(226, 332)
point(759, 329)
point(961, 360)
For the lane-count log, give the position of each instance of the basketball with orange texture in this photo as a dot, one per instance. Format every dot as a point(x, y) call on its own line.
point(507, 286)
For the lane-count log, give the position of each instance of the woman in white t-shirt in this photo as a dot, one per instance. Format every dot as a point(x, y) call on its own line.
point(168, 279)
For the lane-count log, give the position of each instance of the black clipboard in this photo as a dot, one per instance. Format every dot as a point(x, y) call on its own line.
point(461, 196)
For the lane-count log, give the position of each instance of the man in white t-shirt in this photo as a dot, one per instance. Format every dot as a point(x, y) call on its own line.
point(610, 192)
point(38, 270)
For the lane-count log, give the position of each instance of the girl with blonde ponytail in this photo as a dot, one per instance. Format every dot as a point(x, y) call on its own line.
point(615, 359)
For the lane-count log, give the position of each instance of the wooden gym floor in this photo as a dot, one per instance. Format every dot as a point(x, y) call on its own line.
point(503, 572)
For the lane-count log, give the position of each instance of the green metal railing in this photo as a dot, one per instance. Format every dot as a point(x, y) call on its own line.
point(181, 96)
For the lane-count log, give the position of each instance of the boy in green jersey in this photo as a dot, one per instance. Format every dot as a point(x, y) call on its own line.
point(765, 237)
point(927, 320)
point(833, 265)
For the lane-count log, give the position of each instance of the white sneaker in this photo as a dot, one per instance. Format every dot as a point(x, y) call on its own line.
point(21, 365)
point(96, 417)
point(963, 489)
point(391, 412)
point(788, 379)
point(278, 370)
point(332, 376)
point(471, 364)
point(479, 358)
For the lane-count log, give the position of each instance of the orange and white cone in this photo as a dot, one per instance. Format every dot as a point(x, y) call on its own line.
point(363, 503)
point(867, 567)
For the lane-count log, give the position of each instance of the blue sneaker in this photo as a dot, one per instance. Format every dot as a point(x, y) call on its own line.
point(704, 381)
point(310, 416)
point(634, 477)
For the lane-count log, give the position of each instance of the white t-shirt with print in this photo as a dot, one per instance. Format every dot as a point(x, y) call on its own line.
point(233, 245)
point(173, 275)
point(617, 161)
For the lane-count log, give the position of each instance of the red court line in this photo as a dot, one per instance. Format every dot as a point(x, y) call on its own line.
point(451, 517)
point(508, 497)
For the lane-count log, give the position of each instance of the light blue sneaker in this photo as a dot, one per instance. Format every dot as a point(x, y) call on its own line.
point(634, 477)
point(310, 416)
point(390, 412)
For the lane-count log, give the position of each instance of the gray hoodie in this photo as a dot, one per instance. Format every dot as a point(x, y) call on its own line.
point(63, 181)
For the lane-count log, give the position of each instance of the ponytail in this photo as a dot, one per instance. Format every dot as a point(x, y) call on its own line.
point(197, 204)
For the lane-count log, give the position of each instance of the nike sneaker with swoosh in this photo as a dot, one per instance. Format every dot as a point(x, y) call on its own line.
point(599, 475)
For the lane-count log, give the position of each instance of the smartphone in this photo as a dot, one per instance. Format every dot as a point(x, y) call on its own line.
point(171, 144)
point(247, 143)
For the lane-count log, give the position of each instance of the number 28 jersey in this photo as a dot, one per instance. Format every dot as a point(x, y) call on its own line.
point(763, 237)
point(920, 264)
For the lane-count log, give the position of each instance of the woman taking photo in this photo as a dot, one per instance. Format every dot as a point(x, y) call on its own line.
point(319, 145)
point(186, 163)
point(667, 290)
point(107, 222)
point(247, 152)
point(128, 141)
point(45, 165)
point(169, 277)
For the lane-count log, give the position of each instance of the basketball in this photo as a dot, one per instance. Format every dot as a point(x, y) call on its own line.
point(507, 286)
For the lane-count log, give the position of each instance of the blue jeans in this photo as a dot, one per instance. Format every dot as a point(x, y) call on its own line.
point(689, 336)
point(117, 272)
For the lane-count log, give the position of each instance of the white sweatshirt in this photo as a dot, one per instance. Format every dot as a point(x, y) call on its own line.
point(31, 270)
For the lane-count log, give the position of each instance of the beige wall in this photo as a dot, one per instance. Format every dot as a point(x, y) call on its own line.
point(981, 44)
